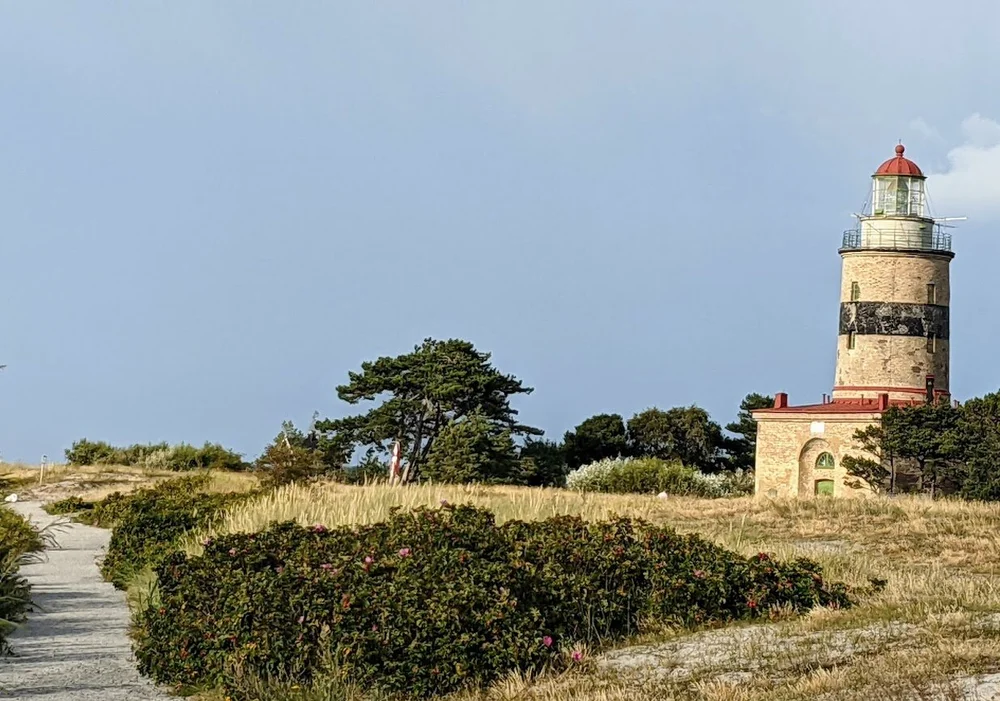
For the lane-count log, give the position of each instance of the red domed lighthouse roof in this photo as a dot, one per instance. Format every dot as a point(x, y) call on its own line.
point(899, 165)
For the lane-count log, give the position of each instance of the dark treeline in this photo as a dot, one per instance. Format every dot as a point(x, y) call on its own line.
point(933, 448)
point(450, 409)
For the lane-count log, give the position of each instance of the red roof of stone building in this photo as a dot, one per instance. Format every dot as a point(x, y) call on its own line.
point(839, 406)
point(899, 165)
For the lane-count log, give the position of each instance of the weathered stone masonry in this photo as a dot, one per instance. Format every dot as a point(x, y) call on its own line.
point(893, 342)
point(894, 319)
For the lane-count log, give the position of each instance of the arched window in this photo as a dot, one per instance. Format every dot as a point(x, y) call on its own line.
point(825, 461)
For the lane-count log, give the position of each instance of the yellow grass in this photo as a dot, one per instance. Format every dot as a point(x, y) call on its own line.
point(335, 504)
point(936, 623)
point(94, 482)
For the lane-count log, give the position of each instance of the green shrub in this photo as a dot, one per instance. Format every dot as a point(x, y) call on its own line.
point(435, 600)
point(107, 511)
point(652, 476)
point(737, 483)
point(68, 505)
point(209, 456)
point(18, 542)
point(282, 463)
point(148, 523)
point(84, 452)
point(180, 457)
point(137, 454)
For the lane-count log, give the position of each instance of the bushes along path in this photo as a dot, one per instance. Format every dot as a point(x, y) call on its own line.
point(75, 645)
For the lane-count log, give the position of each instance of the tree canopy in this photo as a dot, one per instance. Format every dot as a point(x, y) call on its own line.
point(543, 463)
point(979, 445)
point(419, 394)
point(927, 435)
point(876, 472)
point(742, 448)
point(936, 443)
point(472, 449)
point(599, 437)
point(682, 433)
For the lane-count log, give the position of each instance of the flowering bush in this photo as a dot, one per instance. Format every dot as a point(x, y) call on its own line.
point(147, 523)
point(652, 476)
point(435, 600)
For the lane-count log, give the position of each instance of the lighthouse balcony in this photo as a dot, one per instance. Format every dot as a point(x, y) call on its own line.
point(897, 238)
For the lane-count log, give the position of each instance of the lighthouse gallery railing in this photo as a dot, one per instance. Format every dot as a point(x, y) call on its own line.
point(937, 240)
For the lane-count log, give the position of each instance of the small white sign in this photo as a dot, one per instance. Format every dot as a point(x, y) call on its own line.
point(817, 427)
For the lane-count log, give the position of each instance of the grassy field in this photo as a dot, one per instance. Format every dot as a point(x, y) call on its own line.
point(935, 625)
point(927, 635)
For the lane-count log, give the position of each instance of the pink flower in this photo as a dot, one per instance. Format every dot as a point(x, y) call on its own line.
point(319, 528)
point(547, 641)
point(700, 574)
point(369, 560)
point(326, 566)
point(206, 542)
point(404, 552)
point(302, 619)
point(577, 655)
point(232, 552)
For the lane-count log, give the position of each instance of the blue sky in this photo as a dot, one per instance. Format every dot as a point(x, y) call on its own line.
point(212, 211)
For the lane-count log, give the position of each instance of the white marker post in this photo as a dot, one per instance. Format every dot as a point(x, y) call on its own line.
point(394, 463)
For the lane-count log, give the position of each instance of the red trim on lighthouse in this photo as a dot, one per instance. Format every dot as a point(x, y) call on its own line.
point(897, 390)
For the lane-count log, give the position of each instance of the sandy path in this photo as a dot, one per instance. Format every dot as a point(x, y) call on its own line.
point(74, 646)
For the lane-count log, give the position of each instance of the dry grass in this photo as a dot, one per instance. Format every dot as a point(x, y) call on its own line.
point(936, 624)
point(335, 504)
point(94, 482)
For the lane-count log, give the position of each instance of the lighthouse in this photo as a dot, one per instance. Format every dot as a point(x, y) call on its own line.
point(894, 293)
point(892, 340)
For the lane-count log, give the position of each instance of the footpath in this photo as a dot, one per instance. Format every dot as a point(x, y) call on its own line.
point(75, 645)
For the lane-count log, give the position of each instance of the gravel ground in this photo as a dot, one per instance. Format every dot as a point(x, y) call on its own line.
point(74, 646)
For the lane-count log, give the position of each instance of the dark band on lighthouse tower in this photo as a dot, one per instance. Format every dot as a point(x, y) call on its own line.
point(895, 293)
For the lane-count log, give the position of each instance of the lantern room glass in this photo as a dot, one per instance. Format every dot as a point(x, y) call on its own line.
point(898, 195)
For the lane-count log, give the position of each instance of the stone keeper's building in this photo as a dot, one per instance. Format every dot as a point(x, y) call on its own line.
point(892, 346)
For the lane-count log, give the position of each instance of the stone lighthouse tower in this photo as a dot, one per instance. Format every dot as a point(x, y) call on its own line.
point(894, 293)
point(892, 343)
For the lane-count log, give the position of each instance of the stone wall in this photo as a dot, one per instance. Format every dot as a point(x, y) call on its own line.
point(883, 362)
point(888, 276)
point(885, 359)
point(788, 445)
